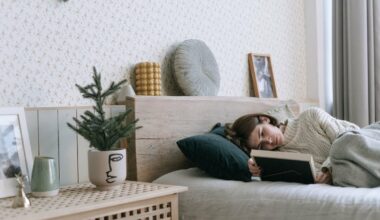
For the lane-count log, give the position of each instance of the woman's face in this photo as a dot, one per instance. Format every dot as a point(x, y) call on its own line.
point(265, 137)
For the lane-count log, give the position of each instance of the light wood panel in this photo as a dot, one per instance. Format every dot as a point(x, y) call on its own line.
point(48, 134)
point(83, 147)
point(67, 142)
point(32, 123)
point(166, 119)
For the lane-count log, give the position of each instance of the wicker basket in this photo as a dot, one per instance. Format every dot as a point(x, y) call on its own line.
point(148, 79)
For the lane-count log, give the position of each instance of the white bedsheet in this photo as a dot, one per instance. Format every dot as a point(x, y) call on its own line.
point(211, 198)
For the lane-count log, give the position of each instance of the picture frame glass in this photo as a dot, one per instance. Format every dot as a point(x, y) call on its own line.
point(263, 76)
point(15, 152)
point(261, 71)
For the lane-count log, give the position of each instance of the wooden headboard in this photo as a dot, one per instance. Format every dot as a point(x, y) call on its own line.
point(153, 152)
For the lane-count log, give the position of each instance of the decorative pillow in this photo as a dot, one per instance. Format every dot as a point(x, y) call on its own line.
point(195, 69)
point(281, 113)
point(218, 129)
point(216, 155)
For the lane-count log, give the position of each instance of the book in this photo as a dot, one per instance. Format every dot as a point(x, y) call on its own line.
point(285, 166)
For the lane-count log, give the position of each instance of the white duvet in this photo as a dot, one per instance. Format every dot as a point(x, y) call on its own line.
point(211, 198)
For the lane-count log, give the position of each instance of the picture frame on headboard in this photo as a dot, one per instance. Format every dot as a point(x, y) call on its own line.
point(15, 150)
point(261, 71)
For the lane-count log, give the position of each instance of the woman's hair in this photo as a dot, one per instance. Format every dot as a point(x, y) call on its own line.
point(241, 129)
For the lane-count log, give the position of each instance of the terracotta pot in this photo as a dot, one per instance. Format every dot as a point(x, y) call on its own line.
point(107, 169)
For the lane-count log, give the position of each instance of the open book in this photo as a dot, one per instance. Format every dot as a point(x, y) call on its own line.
point(285, 166)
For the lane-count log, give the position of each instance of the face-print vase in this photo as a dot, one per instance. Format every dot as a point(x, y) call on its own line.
point(107, 169)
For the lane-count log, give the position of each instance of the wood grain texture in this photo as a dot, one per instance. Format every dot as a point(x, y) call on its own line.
point(166, 119)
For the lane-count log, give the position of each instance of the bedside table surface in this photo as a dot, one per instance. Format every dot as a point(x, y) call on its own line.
point(84, 197)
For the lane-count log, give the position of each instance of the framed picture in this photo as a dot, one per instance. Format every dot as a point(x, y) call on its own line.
point(261, 71)
point(15, 150)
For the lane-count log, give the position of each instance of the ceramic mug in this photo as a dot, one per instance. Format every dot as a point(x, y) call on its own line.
point(45, 180)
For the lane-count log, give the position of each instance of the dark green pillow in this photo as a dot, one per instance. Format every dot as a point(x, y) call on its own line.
point(216, 155)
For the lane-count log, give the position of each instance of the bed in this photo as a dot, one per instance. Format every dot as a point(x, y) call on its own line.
point(153, 155)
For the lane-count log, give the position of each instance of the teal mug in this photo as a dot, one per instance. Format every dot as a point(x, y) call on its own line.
point(45, 180)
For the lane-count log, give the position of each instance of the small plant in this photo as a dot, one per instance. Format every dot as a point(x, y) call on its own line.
point(102, 133)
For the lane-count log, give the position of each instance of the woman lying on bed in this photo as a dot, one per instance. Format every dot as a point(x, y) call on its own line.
point(313, 132)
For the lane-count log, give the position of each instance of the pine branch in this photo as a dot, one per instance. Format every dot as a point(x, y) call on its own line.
point(102, 133)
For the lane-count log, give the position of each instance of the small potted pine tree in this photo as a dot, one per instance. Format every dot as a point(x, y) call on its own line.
point(106, 159)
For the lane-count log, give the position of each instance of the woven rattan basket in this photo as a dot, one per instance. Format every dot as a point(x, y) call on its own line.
point(148, 79)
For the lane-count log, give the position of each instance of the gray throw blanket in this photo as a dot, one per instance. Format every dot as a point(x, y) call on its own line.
point(355, 157)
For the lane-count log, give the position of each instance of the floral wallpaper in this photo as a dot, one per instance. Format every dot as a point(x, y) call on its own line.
point(47, 46)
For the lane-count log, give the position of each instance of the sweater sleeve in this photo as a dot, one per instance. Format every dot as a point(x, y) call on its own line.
point(331, 126)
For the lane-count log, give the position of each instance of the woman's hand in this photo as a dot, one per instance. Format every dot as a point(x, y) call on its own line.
point(324, 177)
point(253, 168)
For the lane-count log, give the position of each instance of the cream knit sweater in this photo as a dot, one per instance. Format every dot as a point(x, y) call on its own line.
point(313, 132)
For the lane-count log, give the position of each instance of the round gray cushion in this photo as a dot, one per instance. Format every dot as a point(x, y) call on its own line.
point(195, 69)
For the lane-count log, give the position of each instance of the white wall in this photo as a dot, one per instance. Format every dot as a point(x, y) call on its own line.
point(48, 45)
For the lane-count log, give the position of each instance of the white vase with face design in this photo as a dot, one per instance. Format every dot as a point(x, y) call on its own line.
point(107, 169)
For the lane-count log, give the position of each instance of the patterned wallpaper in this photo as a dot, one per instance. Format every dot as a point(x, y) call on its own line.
point(47, 46)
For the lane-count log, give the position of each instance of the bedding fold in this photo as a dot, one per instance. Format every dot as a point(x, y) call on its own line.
point(355, 158)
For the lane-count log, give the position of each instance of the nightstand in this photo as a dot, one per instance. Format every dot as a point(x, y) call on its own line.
point(132, 200)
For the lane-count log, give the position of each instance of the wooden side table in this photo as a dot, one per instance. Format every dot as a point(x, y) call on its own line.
point(132, 201)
